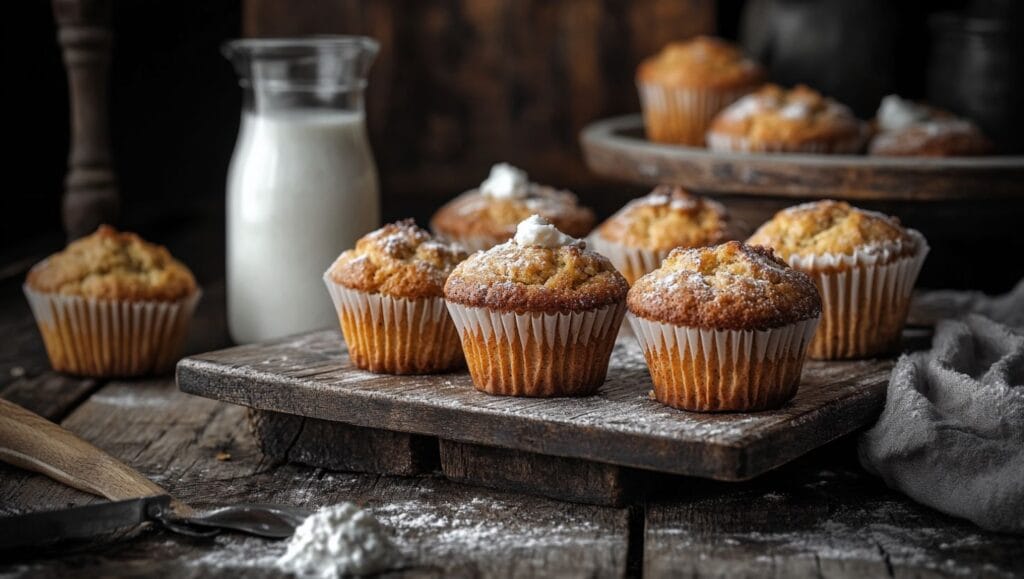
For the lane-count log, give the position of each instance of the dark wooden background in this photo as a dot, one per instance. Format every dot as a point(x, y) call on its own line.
point(458, 86)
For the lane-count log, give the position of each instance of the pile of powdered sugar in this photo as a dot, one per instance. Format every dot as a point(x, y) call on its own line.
point(337, 541)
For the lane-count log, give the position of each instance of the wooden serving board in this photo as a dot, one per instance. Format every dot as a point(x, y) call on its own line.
point(590, 438)
point(617, 148)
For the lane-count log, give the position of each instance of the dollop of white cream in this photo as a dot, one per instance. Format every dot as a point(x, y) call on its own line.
point(339, 541)
point(896, 113)
point(538, 232)
point(505, 182)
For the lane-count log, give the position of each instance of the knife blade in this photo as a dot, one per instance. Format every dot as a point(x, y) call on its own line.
point(33, 529)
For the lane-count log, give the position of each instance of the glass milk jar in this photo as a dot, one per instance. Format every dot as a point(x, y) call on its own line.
point(302, 186)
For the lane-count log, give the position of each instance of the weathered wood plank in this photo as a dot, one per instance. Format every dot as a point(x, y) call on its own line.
point(200, 451)
point(310, 375)
point(820, 517)
point(337, 446)
point(567, 479)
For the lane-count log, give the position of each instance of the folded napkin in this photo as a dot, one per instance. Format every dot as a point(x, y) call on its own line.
point(931, 306)
point(951, 435)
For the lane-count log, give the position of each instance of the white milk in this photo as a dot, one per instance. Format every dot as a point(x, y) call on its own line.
point(302, 188)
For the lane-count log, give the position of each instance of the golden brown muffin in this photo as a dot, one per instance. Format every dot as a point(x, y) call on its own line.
point(833, 227)
point(666, 218)
point(488, 215)
point(687, 83)
point(731, 286)
point(112, 304)
point(864, 264)
point(388, 293)
point(908, 129)
point(639, 236)
point(724, 328)
point(702, 61)
point(400, 260)
point(781, 120)
point(111, 265)
point(538, 315)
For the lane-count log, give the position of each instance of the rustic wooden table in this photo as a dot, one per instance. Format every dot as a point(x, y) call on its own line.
point(821, 516)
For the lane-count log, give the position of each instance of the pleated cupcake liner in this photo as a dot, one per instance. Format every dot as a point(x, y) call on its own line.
point(706, 370)
point(537, 354)
point(632, 262)
point(733, 144)
point(111, 338)
point(865, 298)
point(389, 335)
point(683, 114)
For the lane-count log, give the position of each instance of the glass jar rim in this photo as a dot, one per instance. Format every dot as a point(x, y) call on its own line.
point(288, 46)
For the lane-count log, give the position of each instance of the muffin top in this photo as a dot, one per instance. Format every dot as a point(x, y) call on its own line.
point(504, 199)
point(797, 115)
point(666, 218)
point(399, 260)
point(113, 265)
point(540, 270)
point(703, 61)
point(907, 128)
point(731, 286)
point(833, 227)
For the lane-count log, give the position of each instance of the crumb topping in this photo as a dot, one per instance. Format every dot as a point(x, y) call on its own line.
point(796, 115)
point(400, 260)
point(731, 286)
point(529, 276)
point(701, 61)
point(831, 227)
point(667, 218)
point(113, 265)
point(487, 215)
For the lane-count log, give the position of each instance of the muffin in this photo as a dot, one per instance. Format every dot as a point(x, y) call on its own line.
point(908, 129)
point(685, 85)
point(799, 120)
point(112, 305)
point(486, 216)
point(724, 328)
point(538, 315)
point(641, 234)
point(388, 292)
point(865, 265)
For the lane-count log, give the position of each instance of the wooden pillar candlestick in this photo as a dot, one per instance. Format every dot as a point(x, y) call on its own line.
point(90, 188)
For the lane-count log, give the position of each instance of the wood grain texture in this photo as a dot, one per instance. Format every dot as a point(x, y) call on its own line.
point(337, 446)
point(31, 442)
point(566, 479)
point(200, 451)
point(615, 148)
point(820, 517)
point(310, 375)
point(461, 85)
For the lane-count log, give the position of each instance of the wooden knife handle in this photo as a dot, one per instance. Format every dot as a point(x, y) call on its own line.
point(29, 441)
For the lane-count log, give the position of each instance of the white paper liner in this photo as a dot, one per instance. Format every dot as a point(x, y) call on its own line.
point(733, 370)
point(403, 336)
point(537, 354)
point(108, 338)
point(683, 114)
point(632, 262)
point(865, 297)
point(734, 144)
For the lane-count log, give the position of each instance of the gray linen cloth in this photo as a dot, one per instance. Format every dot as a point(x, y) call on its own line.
point(951, 435)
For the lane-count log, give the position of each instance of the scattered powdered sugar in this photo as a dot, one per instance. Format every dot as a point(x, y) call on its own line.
point(505, 182)
point(537, 231)
point(482, 525)
point(896, 113)
point(339, 540)
point(795, 110)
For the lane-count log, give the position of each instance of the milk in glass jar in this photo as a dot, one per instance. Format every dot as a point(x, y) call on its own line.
point(302, 185)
